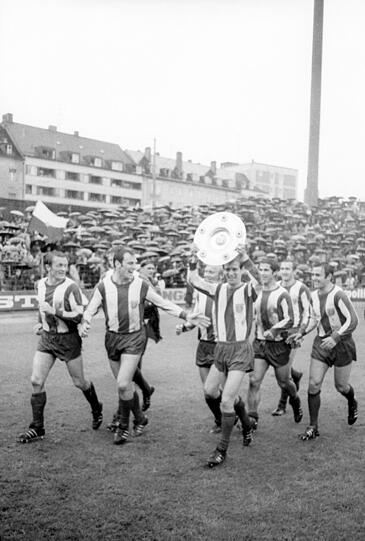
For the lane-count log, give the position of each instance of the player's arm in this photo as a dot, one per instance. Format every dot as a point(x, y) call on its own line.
point(285, 308)
point(91, 311)
point(74, 301)
point(346, 308)
point(175, 310)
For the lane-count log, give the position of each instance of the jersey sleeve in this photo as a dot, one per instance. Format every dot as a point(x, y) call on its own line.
point(201, 285)
point(346, 308)
point(164, 304)
point(94, 304)
point(285, 308)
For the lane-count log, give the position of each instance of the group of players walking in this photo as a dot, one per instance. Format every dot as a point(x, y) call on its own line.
point(230, 301)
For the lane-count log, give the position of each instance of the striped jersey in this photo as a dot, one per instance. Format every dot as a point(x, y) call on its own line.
point(274, 313)
point(205, 305)
point(233, 308)
point(335, 314)
point(123, 304)
point(302, 304)
point(67, 299)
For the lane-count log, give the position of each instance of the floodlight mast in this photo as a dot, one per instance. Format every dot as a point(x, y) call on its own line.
point(311, 191)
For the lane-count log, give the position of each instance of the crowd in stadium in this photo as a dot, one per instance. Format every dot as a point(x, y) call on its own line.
point(333, 231)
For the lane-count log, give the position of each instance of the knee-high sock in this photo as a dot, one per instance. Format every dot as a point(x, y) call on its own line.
point(92, 397)
point(214, 404)
point(350, 395)
point(136, 409)
point(141, 382)
point(38, 403)
point(291, 389)
point(283, 399)
point(124, 410)
point(227, 427)
point(241, 411)
point(314, 403)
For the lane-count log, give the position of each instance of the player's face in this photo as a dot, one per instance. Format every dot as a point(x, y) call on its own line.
point(286, 271)
point(266, 273)
point(232, 273)
point(127, 267)
point(211, 274)
point(318, 278)
point(58, 268)
point(149, 270)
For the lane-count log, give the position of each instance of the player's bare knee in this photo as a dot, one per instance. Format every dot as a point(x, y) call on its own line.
point(227, 404)
point(341, 387)
point(314, 387)
point(37, 383)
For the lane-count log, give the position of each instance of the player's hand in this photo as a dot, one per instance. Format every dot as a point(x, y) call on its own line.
point(241, 249)
point(295, 339)
point(84, 329)
point(46, 308)
point(198, 320)
point(38, 328)
point(268, 335)
point(328, 343)
point(179, 328)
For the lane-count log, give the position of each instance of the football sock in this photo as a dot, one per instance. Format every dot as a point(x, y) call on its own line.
point(227, 427)
point(350, 395)
point(241, 411)
point(141, 382)
point(38, 403)
point(314, 402)
point(254, 415)
point(214, 404)
point(91, 397)
point(124, 410)
point(136, 409)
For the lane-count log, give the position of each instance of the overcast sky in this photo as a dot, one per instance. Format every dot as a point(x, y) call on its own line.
point(223, 80)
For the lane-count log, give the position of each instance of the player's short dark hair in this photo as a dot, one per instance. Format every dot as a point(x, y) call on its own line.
point(274, 266)
point(49, 257)
point(328, 269)
point(294, 265)
point(119, 253)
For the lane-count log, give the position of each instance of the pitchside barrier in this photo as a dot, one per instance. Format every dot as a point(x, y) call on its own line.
point(26, 300)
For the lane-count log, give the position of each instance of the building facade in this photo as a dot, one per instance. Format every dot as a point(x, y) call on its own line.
point(273, 180)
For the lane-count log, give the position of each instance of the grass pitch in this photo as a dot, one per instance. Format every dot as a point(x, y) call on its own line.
point(76, 485)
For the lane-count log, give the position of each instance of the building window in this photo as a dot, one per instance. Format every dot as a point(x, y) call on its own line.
point(99, 197)
point(164, 172)
point(28, 189)
point(130, 168)
point(116, 200)
point(75, 158)
point(225, 183)
point(70, 175)
point(44, 172)
point(289, 181)
point(46, 153)
point(12, 174)
point(117, 166)
point(189, 177)
point(95, 180)
point(115, 183)
point(98, 162)
point(46, 190)
point(73, 194)
point(131, 185)
point(201, 179)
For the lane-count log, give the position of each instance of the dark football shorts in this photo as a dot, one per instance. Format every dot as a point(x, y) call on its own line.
point(274, 353)
point(63, 346)
point(233, 356)
point(205, 353)
point(117, 344)
point(341, 355)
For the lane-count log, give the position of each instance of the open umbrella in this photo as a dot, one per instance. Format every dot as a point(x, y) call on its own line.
point(17, 213)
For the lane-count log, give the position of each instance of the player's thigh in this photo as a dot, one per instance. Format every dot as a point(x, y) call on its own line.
point(203, 373)
point(282, 373)
point(42, 364)
point(128, 365)
point(214, 380)
point(342, 376)
point(114, 367)
point(232, 386)
point(259, 371)
point(317, 372)
point(75, 368)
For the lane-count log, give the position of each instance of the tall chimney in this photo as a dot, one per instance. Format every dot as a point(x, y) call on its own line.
point(147, 153)
point(179, 164)
point(213, 167)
